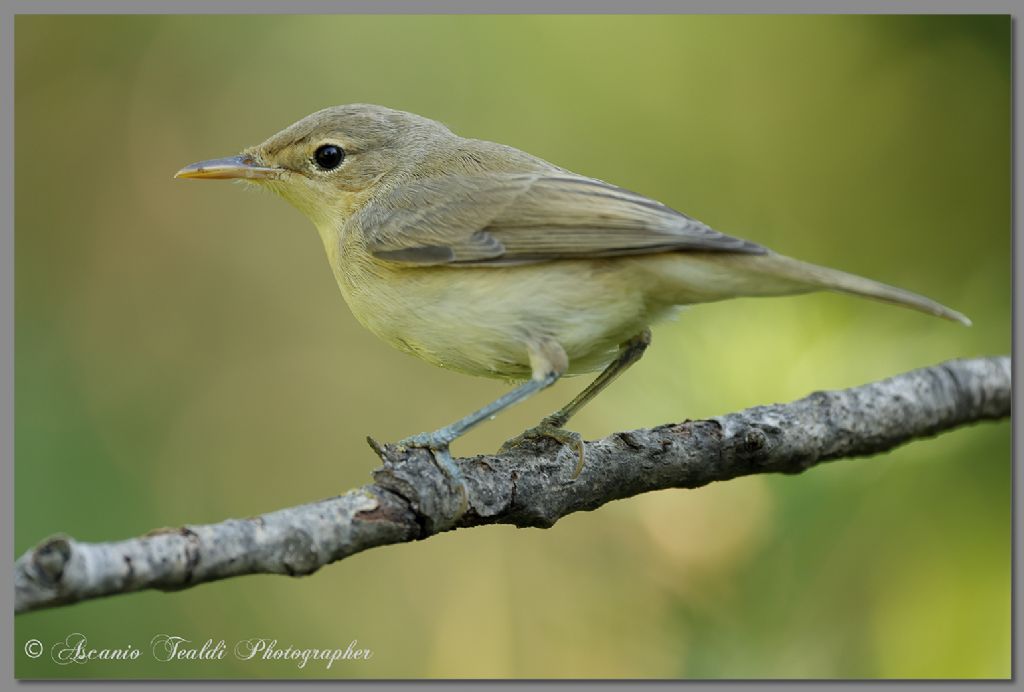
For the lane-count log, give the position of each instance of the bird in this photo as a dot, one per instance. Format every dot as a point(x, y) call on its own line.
point(486, 260)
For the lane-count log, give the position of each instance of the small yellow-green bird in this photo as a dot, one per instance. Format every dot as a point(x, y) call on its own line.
point(481, 258)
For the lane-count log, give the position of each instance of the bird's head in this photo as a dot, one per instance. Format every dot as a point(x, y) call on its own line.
point(331, 161)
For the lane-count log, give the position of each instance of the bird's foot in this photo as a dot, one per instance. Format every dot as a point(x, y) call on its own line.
point(437, 443)
point(547, 429)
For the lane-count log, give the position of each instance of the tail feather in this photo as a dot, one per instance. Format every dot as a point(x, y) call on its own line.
point(813, 276)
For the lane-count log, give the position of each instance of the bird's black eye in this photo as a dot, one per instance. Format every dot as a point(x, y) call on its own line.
point(329, 156)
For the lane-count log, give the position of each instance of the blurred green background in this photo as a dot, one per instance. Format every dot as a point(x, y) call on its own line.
point(183, 354)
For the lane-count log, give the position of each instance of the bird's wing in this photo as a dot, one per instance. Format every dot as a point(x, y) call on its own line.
point(515, 218)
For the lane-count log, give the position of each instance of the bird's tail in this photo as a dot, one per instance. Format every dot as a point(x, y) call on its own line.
point(834, 280)
point(774, 274)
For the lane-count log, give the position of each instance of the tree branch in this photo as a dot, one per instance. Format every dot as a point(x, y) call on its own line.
point(529, 486)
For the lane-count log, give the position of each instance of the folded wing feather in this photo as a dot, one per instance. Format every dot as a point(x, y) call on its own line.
point(514, 218)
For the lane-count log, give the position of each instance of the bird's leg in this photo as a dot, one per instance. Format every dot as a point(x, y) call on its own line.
point(548, 362)
point(629, 353)
point(551, 426)
point(442, 437)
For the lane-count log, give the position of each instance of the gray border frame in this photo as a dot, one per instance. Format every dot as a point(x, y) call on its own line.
point(7, 14)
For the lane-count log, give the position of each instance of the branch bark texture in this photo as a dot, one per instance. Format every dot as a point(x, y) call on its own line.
point(411, 498)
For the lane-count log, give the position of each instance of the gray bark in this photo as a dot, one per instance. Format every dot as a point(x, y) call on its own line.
point(528, 486)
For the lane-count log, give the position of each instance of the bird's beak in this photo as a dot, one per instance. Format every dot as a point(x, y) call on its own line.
point(241, 166)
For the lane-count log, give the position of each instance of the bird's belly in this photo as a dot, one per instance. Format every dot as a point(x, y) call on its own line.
point(478, 320)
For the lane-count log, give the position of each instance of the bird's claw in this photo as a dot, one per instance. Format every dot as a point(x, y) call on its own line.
point(570, 439)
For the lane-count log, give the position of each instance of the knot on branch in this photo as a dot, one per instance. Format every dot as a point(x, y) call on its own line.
point(50, 558)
